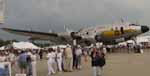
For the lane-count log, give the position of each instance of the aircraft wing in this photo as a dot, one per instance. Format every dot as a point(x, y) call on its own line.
point(34, 35)
point(31, 34)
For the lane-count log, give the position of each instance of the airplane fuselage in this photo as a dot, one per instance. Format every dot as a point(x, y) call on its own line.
point(112, 34)
point(108, 34)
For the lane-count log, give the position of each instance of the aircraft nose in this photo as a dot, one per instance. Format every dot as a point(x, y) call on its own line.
point(144, 29)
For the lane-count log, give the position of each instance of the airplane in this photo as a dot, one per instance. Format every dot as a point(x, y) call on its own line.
point(109, 34)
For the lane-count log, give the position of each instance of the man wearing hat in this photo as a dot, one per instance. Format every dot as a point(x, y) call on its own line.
point(68, 55)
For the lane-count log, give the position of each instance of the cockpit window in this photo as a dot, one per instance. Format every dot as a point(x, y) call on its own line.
point(133, 25)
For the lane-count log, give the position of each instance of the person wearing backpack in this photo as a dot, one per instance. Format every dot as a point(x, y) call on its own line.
point(97, 61)
point(22, 62)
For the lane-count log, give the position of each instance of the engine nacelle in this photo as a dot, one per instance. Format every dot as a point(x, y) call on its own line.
point(75, 36)
point(98, 38)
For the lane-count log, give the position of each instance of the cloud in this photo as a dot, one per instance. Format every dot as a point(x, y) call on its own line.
point(41, 13)
point(73, 11)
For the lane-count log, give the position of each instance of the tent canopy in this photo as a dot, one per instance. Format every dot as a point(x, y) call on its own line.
point(24, 45)
point(56, 46)
point(2, 48)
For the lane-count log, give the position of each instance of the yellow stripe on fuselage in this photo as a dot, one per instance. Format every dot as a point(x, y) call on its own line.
point(1, 19)
point(113, 33)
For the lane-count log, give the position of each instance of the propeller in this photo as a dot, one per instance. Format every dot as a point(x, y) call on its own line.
point(50, 29)
point(67, 29)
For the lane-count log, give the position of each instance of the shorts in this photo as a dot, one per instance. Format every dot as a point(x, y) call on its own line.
point(23, 65)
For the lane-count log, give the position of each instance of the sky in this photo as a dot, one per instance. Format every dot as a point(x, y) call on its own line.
point(42, 15)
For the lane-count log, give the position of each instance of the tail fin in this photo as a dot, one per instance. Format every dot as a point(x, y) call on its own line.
point(67, 29)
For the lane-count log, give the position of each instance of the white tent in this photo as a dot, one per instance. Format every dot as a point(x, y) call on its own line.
point(126, 42)
point(24, 45)
point(61, 46)
point(139, 40)
point(143, 39)
point(2, 48)
point(56, 46)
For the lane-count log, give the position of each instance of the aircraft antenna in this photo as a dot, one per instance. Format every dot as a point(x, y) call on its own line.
point(67, 29)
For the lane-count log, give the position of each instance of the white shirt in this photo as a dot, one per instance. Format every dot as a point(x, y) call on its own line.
point(78, 52)
point(61, 50)
point(59, 55)
point(2, 58)
point(12, 57)
point(33, 57)
point(51, 57)
point(29, 53)
point(104, 50)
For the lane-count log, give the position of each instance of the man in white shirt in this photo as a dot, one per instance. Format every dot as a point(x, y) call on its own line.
point(59, 59)
point(33, 57)
point(78, 53)
point(50, 57)
point(11, 57)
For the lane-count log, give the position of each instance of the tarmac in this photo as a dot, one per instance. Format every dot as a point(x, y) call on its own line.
point(117, 64)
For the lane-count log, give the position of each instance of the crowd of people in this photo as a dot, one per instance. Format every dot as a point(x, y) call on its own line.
point(58, 60)
point(67, 59)
point(22, 61)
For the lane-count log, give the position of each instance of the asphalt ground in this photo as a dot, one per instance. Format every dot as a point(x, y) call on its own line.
point(117, 64)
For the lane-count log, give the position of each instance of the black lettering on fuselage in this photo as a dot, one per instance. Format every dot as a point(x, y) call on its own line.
point(121, 30)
